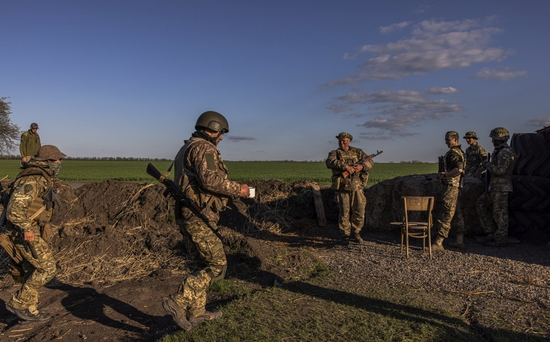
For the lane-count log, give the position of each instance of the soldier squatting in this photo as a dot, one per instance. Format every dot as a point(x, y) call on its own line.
point(200, 173)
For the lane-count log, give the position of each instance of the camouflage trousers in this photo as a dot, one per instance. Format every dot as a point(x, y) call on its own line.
point(206, 249)
point(351, 206)
point(497, 222)
point(451, 212)
point(38, 272)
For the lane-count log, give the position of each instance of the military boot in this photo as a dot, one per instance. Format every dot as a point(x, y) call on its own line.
point(438, 244)
point(178, 313)
point(358, 238)
point(28, 316)
point(459, 244)
point(207, 316)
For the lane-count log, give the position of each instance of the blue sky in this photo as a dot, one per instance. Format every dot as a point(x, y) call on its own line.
point(129, 78)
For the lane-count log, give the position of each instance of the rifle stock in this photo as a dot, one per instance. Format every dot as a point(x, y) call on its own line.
point(361, 161)
point(179, 195)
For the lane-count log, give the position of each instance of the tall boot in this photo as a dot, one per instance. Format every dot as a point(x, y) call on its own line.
point(438, 244)
point(459, 244)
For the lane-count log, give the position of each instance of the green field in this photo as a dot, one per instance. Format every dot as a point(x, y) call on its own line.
point(75, 171)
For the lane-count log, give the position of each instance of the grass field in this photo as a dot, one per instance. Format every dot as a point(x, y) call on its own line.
point(74, 171)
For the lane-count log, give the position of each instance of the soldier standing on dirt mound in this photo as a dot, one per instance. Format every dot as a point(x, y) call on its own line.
point(475, 155)
point(451, 211)
point(500, 167)
point(28, 231)
point(350, 166)
point(202, 175)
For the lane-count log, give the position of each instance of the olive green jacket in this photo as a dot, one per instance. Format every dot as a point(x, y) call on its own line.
point(30, 144)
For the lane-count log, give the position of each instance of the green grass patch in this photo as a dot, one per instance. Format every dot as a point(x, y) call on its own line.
point(90, 171)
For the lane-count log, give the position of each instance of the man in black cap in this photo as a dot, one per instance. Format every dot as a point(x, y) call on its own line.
point(30, 143)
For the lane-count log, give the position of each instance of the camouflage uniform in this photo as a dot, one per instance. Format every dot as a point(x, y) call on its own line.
point(26, 210)
point(202, 174)
point(349, 191)
point(475, 155)
point(451, 212)
point(30, 144)
point(500, 172)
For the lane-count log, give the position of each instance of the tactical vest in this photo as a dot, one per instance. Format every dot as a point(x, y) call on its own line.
point(37, 211)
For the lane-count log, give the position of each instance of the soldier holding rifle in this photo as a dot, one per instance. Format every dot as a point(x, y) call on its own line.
point(202, 176)
point(27, 236)
point(475, 155)
point(350, 166)
point(499, 169)
point(450, 174)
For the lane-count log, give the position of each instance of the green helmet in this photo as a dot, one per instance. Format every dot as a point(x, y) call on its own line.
point(471, 134)
point(500, 133)
point(344, 135)
point(212, 120)
point(49, 152)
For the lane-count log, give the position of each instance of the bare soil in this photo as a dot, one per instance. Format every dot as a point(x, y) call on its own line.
point(120, 253)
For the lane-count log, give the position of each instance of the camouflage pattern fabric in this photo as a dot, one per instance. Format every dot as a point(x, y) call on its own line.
point(496, 222)
point(38, 271)
point(203, 247)
point(451, 212)
point(475, 155)
point(30, 144)
point(201, 172)
point(500, 168)
point(454, 159)
point(349, 191)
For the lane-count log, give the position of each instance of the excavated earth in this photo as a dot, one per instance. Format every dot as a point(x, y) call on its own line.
point(119, 253)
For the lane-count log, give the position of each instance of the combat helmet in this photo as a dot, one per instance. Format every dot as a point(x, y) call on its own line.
point(49, 152)
point(471, 134)
point(500, 134)
point(212, 120)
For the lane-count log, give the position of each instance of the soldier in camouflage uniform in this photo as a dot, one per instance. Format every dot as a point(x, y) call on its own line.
point(202, 175)
point(28, 214)
point(451, 212)
point(349, 177)
point(475, 155)
point(30, 143)
point(500, 167)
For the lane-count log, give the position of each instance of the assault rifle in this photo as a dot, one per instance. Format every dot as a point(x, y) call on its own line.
point(485, 176)
point(5, 199)
point(175, 191)
point(361, 161)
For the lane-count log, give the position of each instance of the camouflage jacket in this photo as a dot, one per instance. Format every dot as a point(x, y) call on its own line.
point(475, 155)
point(338, 159)
point(26, 208)
point(454, 159)
point(30, 144)
point(202, 174)
point(500, 168)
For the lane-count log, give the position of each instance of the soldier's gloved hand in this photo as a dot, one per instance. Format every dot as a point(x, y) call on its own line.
point(245, 191)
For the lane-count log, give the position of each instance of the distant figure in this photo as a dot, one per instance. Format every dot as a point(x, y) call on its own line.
point(202, 175)
point(475, 155)
point(500, 167)
point(30, 143)
point(451, 179)
point(27, 238)
point(350, 166)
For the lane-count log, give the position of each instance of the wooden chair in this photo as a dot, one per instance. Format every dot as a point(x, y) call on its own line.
point(417, 229)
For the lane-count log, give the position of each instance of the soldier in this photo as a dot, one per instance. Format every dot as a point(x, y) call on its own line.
point(451, 179)
point(28, 231)
point(475, 155)
point(495, 226)
point(350, 166)
point(202, 175)
point(30, 143)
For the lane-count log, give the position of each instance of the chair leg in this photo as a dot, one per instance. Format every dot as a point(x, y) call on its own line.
point(407, 234)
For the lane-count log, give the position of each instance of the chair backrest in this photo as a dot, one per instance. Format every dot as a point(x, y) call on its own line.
point(418, 203)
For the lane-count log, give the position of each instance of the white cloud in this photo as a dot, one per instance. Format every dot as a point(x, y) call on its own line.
point(502, 75)
point(394, 27)
point(431, 46)
point(397, 111)
point(539, 122)
point(347, 56)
